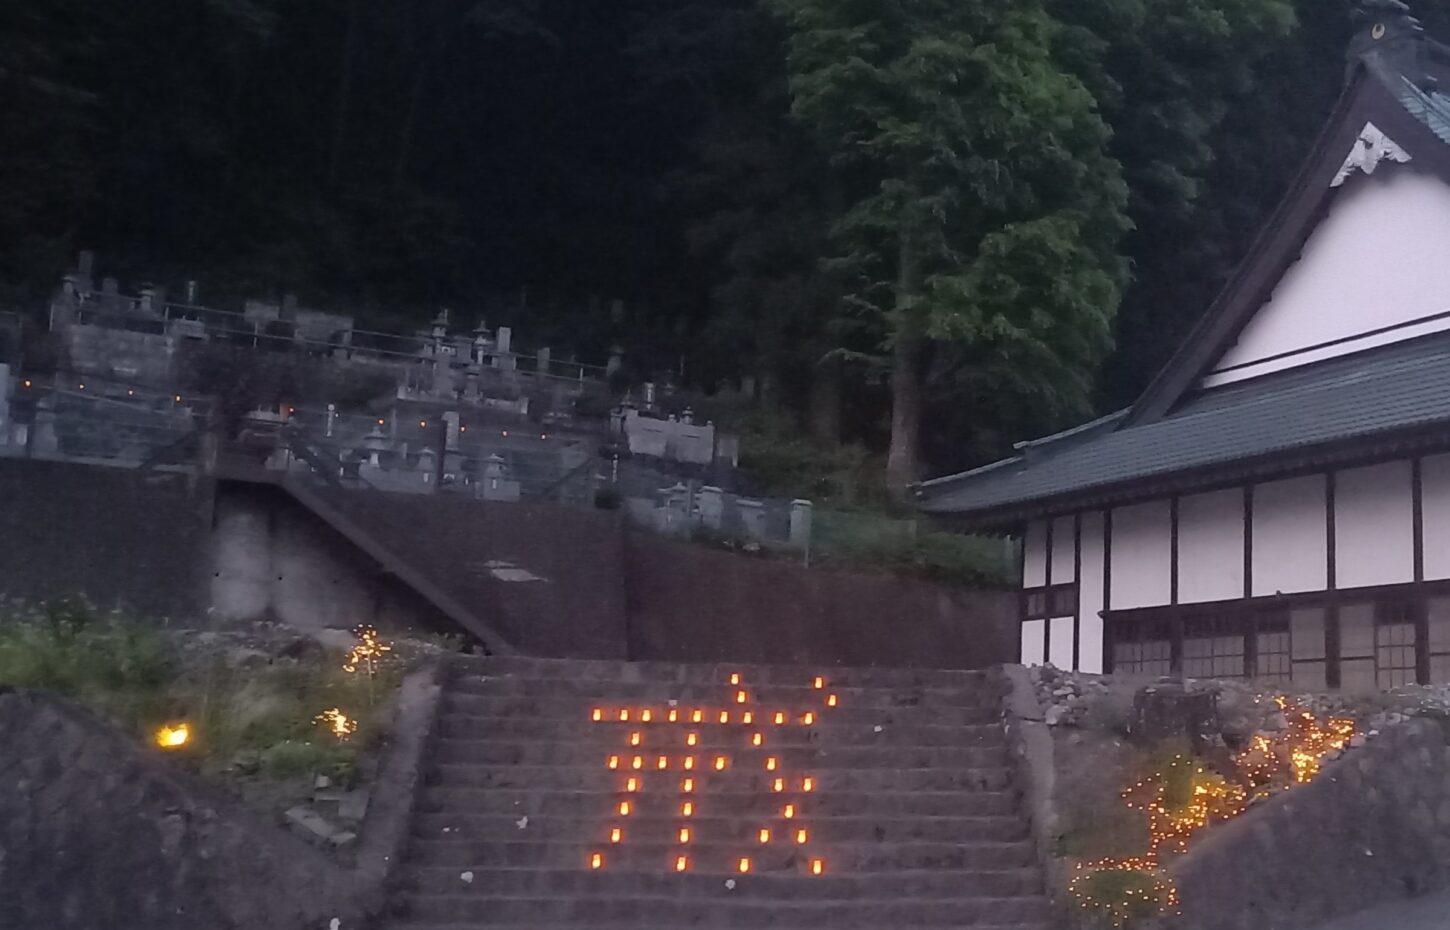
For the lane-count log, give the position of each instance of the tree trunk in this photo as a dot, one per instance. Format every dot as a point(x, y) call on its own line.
point(906, 377)
point(825, 402)
point(344, 95)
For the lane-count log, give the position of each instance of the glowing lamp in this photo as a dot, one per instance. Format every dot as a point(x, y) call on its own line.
point(831, 700)
point(616, 835)
point(819, 683)
point(646, 715)
point(789, 812)
point(741, 697)
point(764, 836)
point(735, 678)
point(689, 763)
point(747, 718)
point(720, 763)
point(682, 864)
point(177, 398)
point(800, 837)
point(779, 717)
point(613, 762)
point(808, 719)
point(724, 716)
point(637, 763)
point(624, 715)
point(597, 715)
point(674, 716)
point(684, 834)
point(596, 861)
point(687, 809)
point(664, 762)
point(697, 716)
point(173, 737)
point(380, 421)
point(756, 739)
point(743, 866)
point(687, 786)
point(634, 739)
point(632, 785)
point(423, 424)
point(770, 764)
point(808, 784)
point(624, 808)
point(778, 785)
point(817, 866)
point(691, 739)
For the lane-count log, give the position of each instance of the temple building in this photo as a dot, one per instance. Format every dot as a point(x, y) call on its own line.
point(1276, 504)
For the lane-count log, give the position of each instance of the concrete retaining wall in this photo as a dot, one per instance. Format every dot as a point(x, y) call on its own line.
point(548, 580)
point(1374, 827)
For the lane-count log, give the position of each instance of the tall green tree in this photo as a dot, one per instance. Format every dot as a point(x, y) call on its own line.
point(984, 211)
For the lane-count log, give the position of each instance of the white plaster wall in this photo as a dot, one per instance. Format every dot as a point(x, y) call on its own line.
point(1377, 259)
point(1090, 595)
point(1061, 642)
point(1063, 555)
point(1374, 526)
point(1435, 511)
point(1034, 641)
point(1289, 536)
point(1211, 546)
point(1142, 557)
point(1034, 555)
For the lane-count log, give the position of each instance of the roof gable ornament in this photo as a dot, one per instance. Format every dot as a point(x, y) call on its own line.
point(1371, 148)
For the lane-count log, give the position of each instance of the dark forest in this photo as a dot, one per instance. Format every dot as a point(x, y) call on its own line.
point(926, 229)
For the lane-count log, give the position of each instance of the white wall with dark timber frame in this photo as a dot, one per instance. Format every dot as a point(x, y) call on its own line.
point(1091, 590)
point(1435, 520)
point(1142, 574)
point(1289, 536)
point(1373, 272)
point(1235, 545)
point(1374, 538)
point(1211, 546)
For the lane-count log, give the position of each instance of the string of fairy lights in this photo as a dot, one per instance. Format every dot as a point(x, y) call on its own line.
point(1183, 797)
point(660, 728)
point(365, 657)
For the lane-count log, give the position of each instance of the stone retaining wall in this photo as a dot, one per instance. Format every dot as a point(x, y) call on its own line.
point(1374, 827)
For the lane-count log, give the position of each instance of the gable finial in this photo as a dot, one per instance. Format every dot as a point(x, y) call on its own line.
point(1388, 34)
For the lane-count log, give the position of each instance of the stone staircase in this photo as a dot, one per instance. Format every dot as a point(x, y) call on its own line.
point(575, 793)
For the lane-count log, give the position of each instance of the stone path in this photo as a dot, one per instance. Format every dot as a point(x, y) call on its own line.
point(610, 795)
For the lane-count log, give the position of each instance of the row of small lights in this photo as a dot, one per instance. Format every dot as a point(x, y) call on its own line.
point(27, 384)
point(721, 763)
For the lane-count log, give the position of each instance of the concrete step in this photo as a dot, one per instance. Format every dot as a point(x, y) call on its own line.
point(717, 822)
point(406, 924)
point(872, 913)
point(742, 761)
point(721, 857)
point(547, 708)
point(519, 802)
point(674, 673)
point(823, 731)
point(533, 883)
point(831, 781)
point(723, 695)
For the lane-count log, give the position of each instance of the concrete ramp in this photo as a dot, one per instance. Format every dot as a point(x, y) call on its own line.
point(531, 579)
